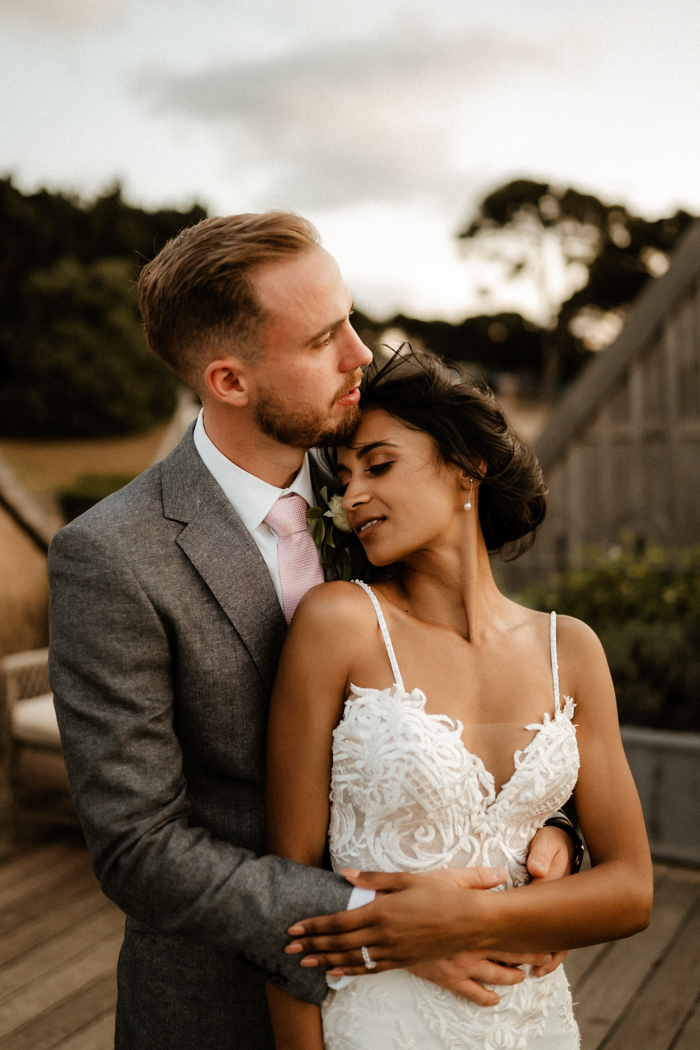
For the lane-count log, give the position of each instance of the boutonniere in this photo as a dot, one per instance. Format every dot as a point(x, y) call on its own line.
point(334, 537)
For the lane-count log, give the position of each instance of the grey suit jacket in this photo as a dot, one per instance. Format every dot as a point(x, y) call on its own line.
point(165, 636)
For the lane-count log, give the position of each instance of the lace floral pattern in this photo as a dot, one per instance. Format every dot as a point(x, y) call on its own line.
point(407, 796)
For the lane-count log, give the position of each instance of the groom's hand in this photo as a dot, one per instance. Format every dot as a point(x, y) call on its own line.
point(465, 973)
point(551, 854)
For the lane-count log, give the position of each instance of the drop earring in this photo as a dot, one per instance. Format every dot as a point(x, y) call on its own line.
point(468, 504)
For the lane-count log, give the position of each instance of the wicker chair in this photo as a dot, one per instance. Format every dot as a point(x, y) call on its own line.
point(31, 747)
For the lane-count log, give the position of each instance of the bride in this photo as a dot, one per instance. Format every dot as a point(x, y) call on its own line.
point(445, 724)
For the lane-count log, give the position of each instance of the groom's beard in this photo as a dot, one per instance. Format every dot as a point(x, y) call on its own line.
point(306, 428)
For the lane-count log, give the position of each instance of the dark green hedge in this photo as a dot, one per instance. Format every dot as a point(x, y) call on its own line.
point(646, 611)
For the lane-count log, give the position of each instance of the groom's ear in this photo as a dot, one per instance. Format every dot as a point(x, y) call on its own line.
point(226, 380)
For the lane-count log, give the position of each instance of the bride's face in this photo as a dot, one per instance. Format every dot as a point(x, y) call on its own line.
point(399, 496)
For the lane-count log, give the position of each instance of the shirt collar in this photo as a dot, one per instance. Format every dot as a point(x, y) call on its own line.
point(250, 496)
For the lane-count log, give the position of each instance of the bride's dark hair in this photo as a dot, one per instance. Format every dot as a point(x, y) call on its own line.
point(470, 430)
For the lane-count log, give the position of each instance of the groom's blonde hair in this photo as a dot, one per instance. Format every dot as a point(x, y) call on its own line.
point(197, 297)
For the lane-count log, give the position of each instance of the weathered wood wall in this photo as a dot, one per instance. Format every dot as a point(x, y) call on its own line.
point(636, 464)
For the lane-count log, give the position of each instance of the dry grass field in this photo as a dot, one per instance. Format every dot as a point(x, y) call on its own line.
point(46, 466)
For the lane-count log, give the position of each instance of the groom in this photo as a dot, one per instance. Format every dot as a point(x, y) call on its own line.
point(169, 604)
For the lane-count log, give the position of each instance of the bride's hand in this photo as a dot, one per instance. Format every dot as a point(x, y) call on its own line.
point(408, 927)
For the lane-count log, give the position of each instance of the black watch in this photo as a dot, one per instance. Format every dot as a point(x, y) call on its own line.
point(560, 820)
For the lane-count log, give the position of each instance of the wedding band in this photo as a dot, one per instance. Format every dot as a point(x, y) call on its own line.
point(368, 962)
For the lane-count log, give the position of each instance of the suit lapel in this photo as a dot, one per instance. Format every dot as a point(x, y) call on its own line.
point(225, 555)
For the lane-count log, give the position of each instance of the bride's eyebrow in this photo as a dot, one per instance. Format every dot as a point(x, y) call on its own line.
point(364, 450)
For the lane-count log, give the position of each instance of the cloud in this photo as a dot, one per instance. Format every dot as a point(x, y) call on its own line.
point(343, 123)
point(61, 14)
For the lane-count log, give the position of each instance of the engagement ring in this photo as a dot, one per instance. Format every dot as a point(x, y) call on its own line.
point(368, 962)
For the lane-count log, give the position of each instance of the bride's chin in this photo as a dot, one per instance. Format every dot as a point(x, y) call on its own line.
point(376, 558)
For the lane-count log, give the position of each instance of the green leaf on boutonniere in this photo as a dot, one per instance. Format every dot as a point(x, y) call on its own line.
point(340, 550)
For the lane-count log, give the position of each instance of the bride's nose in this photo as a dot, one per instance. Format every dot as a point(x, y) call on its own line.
point(355, 496)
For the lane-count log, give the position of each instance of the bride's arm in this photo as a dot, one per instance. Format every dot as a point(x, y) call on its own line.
point(614, 898)
point(611, 900)
point(307, 702)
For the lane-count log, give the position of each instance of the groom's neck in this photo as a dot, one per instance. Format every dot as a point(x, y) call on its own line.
point(237, 437)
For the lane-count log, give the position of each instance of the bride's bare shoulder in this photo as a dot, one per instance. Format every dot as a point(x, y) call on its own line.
point(331, 606)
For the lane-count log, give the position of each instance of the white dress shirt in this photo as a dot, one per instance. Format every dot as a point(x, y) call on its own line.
point(253, 499)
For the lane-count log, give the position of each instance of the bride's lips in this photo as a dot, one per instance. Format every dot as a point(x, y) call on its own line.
point(351, 398)
point(367, 527)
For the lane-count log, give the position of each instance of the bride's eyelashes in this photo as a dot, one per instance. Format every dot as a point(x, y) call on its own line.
point(377, 469)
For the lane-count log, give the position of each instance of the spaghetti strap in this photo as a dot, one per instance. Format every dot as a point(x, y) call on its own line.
point(385, 633)
point(555, 662)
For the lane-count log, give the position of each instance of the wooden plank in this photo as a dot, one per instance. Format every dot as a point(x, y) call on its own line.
point(26, 864)
point(671, 344)
point(610, 987)
point(689, 1038)
point(580, 961)
point(97, 1036)
point(655, 1016)
point(600, 378)
point(59, 870)
point(54, 917)
point(60, 949)
point(69, 1017)
point(51, 989)
point(66, 889)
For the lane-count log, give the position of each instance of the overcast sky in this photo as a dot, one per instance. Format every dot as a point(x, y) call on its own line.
point(384, 121)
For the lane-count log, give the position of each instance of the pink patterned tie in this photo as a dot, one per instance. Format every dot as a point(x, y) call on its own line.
point(297, 556)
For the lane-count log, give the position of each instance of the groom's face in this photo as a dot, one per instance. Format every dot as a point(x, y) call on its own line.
point(304, 388)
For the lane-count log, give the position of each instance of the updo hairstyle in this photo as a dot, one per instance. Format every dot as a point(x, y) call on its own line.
point(468, 428)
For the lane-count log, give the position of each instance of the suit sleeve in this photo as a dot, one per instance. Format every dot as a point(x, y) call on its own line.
point(111, 674)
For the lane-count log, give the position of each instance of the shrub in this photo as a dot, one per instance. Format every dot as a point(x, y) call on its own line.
point(646, 611)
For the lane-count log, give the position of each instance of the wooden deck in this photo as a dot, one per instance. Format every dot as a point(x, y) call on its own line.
point(59, 941)
point(643, 993)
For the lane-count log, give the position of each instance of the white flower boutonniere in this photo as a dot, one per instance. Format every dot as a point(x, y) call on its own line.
point(336, 511)
point(332, 534)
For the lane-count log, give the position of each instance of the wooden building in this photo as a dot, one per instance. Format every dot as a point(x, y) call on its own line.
point(26, 529)
point(622, 450)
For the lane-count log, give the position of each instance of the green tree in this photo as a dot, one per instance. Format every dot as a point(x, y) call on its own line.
point(607, 255)
point(75, 360)
point(503, 342)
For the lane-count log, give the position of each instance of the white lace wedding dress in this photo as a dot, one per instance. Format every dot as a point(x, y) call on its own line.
point(408, 796)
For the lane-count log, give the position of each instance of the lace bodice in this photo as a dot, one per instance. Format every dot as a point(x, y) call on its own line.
point(406, 795)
